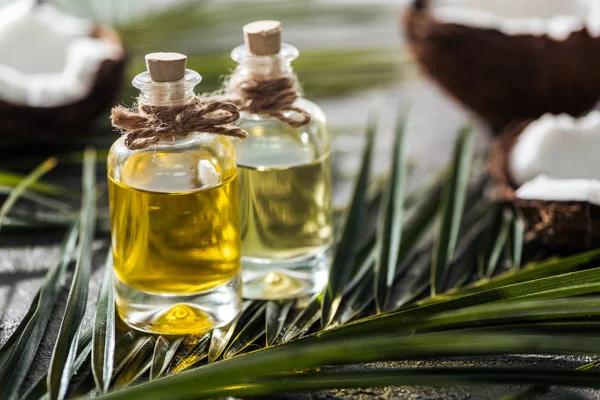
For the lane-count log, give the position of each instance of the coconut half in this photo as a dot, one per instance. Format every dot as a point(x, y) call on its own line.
point(549, 169)
point(510, 60)
point(57, 72)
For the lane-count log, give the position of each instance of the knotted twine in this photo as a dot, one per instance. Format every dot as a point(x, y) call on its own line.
point(272, 97)
point(148, 125)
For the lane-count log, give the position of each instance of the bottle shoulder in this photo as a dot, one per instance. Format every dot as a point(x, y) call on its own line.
point(273, 143)
point(316, 114)
point(200, 162)
point(312, 108)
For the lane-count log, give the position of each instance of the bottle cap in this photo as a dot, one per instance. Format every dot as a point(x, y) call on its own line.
point(263, 38)
point(166, 67)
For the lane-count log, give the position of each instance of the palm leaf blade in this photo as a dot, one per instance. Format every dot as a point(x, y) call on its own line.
point(252, 330)
point(452, 208)
point(163, 354)
point(20, 187)
point(104, 330)
point(84, 348)
point(275, 317)
point(197, 353)
point(311, 353)
point(303, 321)
point(390, 224)
point(66, 343)
point(137, 364)
point(340, 269)
point(22, 352)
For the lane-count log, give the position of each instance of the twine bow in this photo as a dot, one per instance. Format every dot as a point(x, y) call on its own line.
point(271, 97)
point(147, 125)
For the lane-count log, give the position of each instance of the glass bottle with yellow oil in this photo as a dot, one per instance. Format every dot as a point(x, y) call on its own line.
point(174, 213)
point(284, 169)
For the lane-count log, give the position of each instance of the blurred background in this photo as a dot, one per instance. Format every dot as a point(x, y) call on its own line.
point(351, 62)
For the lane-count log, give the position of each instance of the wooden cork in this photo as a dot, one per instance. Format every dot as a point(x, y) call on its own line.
point(263, 38)
point(166, 67)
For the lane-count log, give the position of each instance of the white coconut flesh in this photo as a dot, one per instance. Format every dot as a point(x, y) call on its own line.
point(47, 57)
point(557, 158)
point(555, 18)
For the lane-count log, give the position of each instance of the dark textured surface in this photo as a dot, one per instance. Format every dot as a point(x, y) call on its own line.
point(432, 122)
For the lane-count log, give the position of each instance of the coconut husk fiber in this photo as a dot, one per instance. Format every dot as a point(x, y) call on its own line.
point(504, 78)
point(21, 125)
point(565, 224)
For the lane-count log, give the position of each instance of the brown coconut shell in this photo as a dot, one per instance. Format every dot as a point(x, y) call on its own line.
point(27, 125)
point(505, 78)
point(567, 224)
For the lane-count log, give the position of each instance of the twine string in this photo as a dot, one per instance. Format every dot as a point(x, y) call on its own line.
point(147, 125)
point(272, 97)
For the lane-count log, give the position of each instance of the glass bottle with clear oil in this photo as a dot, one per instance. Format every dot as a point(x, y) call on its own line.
point(285, 181)
point(175, 222)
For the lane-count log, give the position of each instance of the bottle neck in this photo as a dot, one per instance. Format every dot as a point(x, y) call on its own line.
point(265, 67)
point(166, 94)
point(170, 94)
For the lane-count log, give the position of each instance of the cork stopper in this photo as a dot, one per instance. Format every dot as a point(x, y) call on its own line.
point(263, 38)
point(166, 67)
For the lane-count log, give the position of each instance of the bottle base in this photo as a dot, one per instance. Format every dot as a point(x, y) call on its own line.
point(278, 280)
point(168, 314)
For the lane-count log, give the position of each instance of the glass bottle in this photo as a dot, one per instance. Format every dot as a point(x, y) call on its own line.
point(285, 189)
point(175, 224)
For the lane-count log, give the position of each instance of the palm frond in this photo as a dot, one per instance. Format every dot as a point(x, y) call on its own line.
point(164, 352)
point(104, 330)
point(452, 209)
point(17, 354)
point(275, 316)
point(390, 224)
point(339, 274)
point(20, 187)
point(64, 352)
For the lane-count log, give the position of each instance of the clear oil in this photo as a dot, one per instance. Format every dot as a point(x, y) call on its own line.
point(285, 201)
point(175, 230)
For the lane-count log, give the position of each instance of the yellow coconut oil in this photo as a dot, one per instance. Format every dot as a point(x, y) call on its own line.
point(285, 205)
point(175, 223)
point(175, 242)
point(285, 197)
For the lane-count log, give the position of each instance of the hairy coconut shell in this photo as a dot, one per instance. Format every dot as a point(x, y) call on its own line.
point(570, 224)
point(505, 78)
point(35, 125)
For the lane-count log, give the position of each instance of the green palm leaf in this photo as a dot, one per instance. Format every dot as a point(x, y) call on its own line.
point(41, 200)
point(252, 330)
point(311, 353)
point(28, 181)
point(136, 364)
point(104, 330)
point(452, 208)
point(275, 316)
point(84, 348)
point(495, 241)
point(163, 355)
point(304, 320)
point(390, 224)
point(536, 270)
point(339, 274)
point(64, 352)
point(516, 249)
point(398, 377)
point(12, 179)
point(198, 352)
point(221, 337)
point(19, 352)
